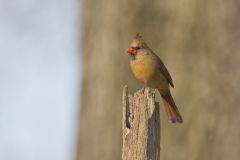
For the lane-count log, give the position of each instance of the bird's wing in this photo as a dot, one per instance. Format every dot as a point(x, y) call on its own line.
point(165, 72)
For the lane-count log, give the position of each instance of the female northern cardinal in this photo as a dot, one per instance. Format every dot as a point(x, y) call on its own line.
point(149, 68)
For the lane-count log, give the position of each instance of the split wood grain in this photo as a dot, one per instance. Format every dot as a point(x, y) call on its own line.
point(140, 125)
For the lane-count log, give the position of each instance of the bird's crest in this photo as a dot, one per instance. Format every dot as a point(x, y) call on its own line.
point(138, 36)
point(138, 40)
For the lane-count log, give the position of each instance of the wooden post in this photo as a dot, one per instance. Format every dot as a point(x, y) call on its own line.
point(140, 125)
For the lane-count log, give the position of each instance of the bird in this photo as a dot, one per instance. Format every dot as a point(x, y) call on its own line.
point(150, 69)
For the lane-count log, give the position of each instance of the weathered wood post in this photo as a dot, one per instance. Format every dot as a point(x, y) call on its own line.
point(140, 125)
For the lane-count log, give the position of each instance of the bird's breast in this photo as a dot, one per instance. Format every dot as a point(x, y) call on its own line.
point(143, 69)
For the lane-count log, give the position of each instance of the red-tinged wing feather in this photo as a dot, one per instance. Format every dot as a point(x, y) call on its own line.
point(165, 72)
point(170, 107)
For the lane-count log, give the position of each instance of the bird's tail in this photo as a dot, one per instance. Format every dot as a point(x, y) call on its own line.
point(170, 107)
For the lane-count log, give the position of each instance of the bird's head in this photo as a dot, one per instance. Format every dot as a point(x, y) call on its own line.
point(136, 45)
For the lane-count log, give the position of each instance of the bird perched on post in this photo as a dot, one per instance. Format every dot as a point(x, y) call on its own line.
point(149, 68)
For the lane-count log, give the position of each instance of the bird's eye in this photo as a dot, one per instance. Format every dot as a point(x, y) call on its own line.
point(137, 48)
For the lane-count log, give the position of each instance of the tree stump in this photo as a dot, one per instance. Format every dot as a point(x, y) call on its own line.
point(140, 125)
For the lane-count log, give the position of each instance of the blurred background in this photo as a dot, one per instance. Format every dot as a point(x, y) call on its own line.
point(50, 51)
point(39, 79)
point(198, 42)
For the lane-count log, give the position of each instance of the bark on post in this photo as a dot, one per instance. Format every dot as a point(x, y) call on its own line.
point(140, 125)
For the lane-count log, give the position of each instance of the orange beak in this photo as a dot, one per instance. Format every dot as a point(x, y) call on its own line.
point(131, 50)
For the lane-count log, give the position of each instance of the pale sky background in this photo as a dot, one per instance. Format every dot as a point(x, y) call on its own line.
point(39, 79)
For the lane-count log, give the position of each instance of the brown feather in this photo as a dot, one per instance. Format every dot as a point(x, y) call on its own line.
point(170, 107)
point(165, 72)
